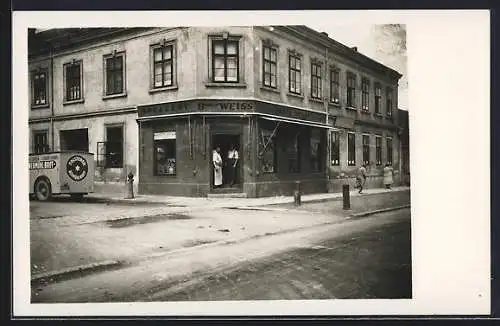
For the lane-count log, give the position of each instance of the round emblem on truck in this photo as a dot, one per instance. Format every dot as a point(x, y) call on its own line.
point(77, 167)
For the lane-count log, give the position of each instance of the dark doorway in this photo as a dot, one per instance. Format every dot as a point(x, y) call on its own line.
point(74, 140)
point(224, 141)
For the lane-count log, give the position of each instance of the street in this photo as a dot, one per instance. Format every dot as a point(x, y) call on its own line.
point(358, 258)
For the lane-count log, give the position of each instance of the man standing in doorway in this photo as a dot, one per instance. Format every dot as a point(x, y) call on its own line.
point(232, 157)
point(217, 161)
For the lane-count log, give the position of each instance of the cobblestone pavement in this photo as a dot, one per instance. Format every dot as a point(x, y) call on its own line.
point(374, 263)
point(165, 277)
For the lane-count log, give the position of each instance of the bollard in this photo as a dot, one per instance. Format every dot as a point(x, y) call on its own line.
point(130, 186)
point(346, 197)
point(296, 194)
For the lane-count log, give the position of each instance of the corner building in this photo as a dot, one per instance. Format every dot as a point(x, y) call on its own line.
point(297, 105)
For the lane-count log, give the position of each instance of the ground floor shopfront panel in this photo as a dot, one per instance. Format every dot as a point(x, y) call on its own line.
point(274, 151)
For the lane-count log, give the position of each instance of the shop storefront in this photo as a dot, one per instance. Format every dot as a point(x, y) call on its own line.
point(276, 147)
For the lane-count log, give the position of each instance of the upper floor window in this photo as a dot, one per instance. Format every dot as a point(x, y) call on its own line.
point(378, 98)
point(316, 80)
point(335, 148)
point(73, 81)
point(163, 65)
point(115, 74)
point(225, 61)
point(294, 74)
point(351, 89)
point(269, 68)
point(334, 85)
point(389, 101)
point(365, 84)
point(39, 88)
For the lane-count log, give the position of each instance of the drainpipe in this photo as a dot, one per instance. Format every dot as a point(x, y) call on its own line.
point(328, 133)
point(52, 96)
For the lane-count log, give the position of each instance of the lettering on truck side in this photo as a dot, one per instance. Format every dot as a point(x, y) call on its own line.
point(42, 165)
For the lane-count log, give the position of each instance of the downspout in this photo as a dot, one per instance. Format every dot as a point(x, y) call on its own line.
point(52, 96)
point(328, 133)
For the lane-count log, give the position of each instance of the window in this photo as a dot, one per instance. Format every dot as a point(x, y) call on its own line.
point(316, 80)
point(351, 90)
point(378, 150)
point(389, 150)
point(351, 149)
point(335, 149)
point(39, 88)
point(294, 74)
point(292, 149)
point(389, 102)
point(163, 65)
point(114, 68)
point(40, 142)
point(74, 140)
point(269, 66)
point(366, 149)
point(316, 157)
point(165, 153)
point(334, 85)
point(73, 80)
point(365, 84)
point(114, 147)
point(268, 154)
point(378, 98)
point(225, 61)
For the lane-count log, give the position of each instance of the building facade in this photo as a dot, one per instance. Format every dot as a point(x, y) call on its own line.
point(297, 105)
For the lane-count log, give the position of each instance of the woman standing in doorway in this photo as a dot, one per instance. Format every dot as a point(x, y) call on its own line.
point(217, 161)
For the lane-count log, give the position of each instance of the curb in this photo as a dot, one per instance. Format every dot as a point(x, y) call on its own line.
point(383, 210)
point(73, 270)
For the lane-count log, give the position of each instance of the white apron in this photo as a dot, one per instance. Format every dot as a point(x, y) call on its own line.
point(217, 168)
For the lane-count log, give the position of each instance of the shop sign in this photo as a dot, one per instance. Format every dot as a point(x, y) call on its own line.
point(226, 107)
point(294, 113)
point(165, 108)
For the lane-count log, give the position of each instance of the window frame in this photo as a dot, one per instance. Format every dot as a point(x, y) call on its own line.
point(155, 154)
point(35, 73)
point(351, 162)
point(271, 48)
point(365, 94)
point(66, 66)
point(378, 98)
point(107, 164)
point(225, 57)
point(335, 85)
point(378, 150)
point(335, 154)
point(351, 89)
point(366, 148)
point(266, 133)
point(316, 76)
point(389, 101)
point(295, 72)
point(389, 153)
point(173, 64)
point(35, 133)
point(114, 55)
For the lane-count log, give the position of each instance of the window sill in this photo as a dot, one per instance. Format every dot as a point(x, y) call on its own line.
point(40, 106)
point(332, 103)
point(316, 100)
point(367, 112)
point(165, 175)
point(74, 102)
point(295, 95)
point(163, 89)
point(351, 108)
point(270, 89)
point(109, 97)
point(378, 115)
point(226, 85)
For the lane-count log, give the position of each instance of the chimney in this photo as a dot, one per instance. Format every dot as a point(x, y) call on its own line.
point(355, 48)
point(325, 34)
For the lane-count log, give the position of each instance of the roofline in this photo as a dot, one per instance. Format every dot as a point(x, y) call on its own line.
point(308, 33)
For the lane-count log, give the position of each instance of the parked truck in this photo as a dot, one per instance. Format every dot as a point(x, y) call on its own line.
point(55, 173)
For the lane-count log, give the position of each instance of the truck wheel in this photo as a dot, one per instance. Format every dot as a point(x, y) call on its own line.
point(43, 190)
point(77, 197)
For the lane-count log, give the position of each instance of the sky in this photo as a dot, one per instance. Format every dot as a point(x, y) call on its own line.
point(372, 43)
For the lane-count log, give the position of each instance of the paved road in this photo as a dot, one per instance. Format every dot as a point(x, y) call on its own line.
point(374, 263)
point(360, 258)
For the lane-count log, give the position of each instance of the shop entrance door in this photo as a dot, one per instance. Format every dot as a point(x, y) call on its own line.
point(231, 177)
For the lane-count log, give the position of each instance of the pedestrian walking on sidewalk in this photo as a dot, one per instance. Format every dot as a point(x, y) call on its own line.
point(361, 178)
point(232, 157)
point(388, 176)
point(217, 161)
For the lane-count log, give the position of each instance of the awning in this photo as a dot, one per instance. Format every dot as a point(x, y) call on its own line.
point(295, 121)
